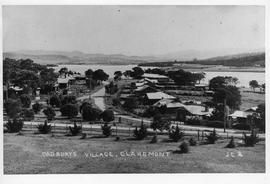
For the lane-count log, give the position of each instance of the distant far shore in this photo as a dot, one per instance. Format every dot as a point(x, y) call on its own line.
point(188, 67)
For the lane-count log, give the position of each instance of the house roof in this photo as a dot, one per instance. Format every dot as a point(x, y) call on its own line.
point(62, 80)
point(170, 103)
point(158, 95)
point(154, 76)
point(252, 109)
point(239, 114)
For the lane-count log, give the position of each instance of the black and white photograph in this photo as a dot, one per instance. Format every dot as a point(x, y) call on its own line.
point(129, 89)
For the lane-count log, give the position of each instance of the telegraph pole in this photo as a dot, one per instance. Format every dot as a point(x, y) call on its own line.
point(225, 115)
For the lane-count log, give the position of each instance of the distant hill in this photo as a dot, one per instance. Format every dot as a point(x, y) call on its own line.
point(76, 57)
point(188, 56)
point(244, 59)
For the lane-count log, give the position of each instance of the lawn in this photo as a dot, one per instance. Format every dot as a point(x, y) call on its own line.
point(33, 154)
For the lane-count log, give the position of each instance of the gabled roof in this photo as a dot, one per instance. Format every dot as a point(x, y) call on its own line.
point(62, 80)
point(154, 76)
point(252, 109)
point(239, 114)
point(170, 103)
point(141, 88)
point(158, 96)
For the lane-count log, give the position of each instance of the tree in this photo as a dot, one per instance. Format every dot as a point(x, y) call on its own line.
point(117, 75)
point(63, 70)
point(140, 133)
point(69, 99)
point(25, 100)
point(37, 107)
point(27, 114)
point(111, 88)
point(253, 84)
point(182, 77)
point(69, 110)
point(106, 130)
point(55, 101)
point(159, 123)
point(107, 115)
point(89, 73)
point(127, 73)
point(176, 134)
point(137, 72)
point(220, 81)
point(100, 75)
point(50, 113)
point(199, 76)
point(13, 108)
point(90, 114)
point(130, 103)
point(230, 93)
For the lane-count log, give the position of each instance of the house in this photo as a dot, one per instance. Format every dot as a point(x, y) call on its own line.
point(63, 83)
point(171, 104)
point(152, 98)
point(142, 90)
point(239, 116)
point(190, 111)
point(159, 78)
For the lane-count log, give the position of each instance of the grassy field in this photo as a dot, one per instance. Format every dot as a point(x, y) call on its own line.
point(33, 154)
point(250, 99)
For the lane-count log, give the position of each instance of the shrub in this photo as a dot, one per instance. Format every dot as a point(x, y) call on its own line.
point(159, 123)
point(44, 128)
point(55, 101)
point(13, 108)
point(49, 112)
point(212, 137)
point(175, 134)
point(193, 122)
point(192, 141)
point(231, 143)
point(141, 133)
point(90, 114)
point(14, 125)
point(69, 99)
point(75, 130)
point(25, 100)
point(130, 103)
point(154, 139)
point(28, 114)
point(37, 107)
point(250, 140)
point(241, 126)
point(107, 115)
point(116, 102)
point(184, 147)
point(69, 110)
point(106, 130)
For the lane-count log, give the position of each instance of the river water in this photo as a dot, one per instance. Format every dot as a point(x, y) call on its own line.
point(243, 77)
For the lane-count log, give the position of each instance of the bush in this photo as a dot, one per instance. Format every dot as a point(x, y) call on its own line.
point(130, 103)
point(231, 143)
point(192, 141)
point(241, 126)
point(55, 101)
point(175, 134)
point(106, 130)
point(25, 100)
point(28, 114)
point(44, 128)
point(90, 114)
point(37, 107)
point(75, 130)
point(212, 137)
point(107, 115)
point(141, 133)
point(69, 99)
point(193, 122)
point(49, 112)
point(250, 140)
point(184, 147)
point(14, 125)
point(154, 139)
point(13, 108)
point(116, 102)
point(69, 110)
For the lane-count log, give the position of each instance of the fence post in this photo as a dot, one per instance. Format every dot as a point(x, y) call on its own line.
point(202, 135)
point(129, 131)
point(198, 134)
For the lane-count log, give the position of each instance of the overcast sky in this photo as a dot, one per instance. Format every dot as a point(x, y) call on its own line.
point(133, 30)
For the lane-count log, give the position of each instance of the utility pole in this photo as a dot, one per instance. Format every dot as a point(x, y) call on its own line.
point(225, 115)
